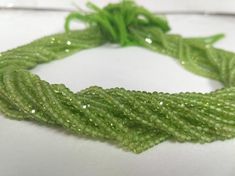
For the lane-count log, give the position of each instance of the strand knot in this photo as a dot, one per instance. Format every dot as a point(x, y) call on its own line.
point(116, 21)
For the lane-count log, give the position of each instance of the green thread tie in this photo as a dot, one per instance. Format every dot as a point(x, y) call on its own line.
point(116, 20)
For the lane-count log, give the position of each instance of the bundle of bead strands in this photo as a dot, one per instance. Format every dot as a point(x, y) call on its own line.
point(133, 120)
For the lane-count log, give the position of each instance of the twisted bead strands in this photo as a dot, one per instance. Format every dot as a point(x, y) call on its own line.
point(132, 120)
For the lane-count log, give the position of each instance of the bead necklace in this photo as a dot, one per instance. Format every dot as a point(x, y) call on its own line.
point(133, 120)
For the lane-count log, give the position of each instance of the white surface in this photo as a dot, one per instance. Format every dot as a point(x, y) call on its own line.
point(155, 5)
point(31, 150)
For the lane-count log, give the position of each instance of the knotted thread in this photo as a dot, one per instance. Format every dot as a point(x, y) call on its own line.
point(133, 120)
point(116, 20)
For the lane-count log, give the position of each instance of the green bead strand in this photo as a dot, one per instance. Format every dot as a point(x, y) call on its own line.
point(132, 120)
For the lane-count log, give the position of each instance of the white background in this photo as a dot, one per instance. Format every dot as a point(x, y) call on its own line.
point(159, 5)
point(28, 149)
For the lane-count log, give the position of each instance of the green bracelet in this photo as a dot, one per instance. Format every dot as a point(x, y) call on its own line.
point(133, 120)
